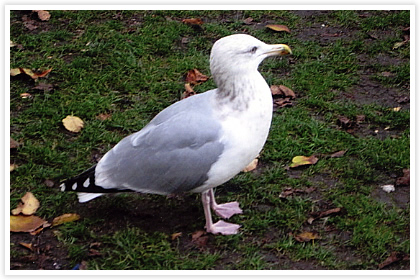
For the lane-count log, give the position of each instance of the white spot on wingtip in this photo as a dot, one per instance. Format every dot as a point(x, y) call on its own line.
point(74, 187)
point(86, 183)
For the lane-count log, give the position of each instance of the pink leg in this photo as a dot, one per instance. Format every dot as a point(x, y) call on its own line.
point(225, 210)
point(219, 227)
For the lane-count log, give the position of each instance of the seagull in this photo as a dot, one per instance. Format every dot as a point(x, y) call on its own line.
point(197, 143)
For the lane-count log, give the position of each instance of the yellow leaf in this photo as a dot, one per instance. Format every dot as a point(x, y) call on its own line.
point(176, 235)
point(302, 160)
point(251, 166)
point(278, 27)
point(399, 44)
point(306, 236)
point(43, 15)
point(22, 223)
point(25, 95)
point(65, 218)
point(73, 123)
point(396, 109)
point(28, 206)
point(15, 71)
point(13, 167)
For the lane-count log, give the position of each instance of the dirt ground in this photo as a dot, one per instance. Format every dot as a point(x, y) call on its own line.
point(156, 214)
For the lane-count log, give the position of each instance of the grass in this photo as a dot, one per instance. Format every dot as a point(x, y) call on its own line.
point(131, 65)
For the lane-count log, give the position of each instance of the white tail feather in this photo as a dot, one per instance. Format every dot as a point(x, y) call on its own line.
point(85, 197)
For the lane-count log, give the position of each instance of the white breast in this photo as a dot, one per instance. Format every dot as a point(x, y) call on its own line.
point(244, 135)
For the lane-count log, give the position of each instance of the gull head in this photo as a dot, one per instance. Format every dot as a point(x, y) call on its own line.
point(240, 54)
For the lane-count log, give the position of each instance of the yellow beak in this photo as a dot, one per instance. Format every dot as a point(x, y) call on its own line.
point(279, 49)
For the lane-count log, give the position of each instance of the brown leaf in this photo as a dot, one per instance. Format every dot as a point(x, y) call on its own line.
point(73, 123)
point(394, 257)
point(65, 218)
point(195, 77)
point(338, 154)
point(29, 72)
point(307, 236)
point(303, 160)
point(290, 191)
point(103, 116)
point(248, 21)
point(197, 234)
point(44, 87)
point(278, 27)
point(175, 235)
point(25, 95)
point(318, 215)
point(13, 167)
point(94, 253)
point(188, 91)
point(251, 166)
point(49, 183)
point(282, 91)
point(27, 245)
point(28, 206)
point(43, 15)
point(344, 122)
point(22, 223)
point(360, 118)
point(282, 102)
point(14, 144)
point(405, 179)
point(193, 21)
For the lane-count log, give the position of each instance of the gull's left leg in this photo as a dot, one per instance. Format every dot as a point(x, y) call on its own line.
point(219, 227)
point(225, 210)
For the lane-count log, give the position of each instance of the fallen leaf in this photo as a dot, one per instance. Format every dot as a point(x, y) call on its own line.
point(49, 183)
point(399, 44)
point(188, 91)
point(394, 257)
point(251, 166)
point(388, 188)
point(12, 44)
point(22, 223)
point(14, 144)
point(396, 109)
point(27, 245)
point(405, 179)
point(73, 123)
point(278, 27)
point(44, 87)
point(25, 95)
point(387, 74)
point(28, 206)
point(43, 15)
point(290, 191)
point(344, 122)
point(360, 118)
point(13, 167)
point(199, 238)
point(282, 102)
point(193, 21)
point(29, 72)
point(175, 235)
point(307, 236)
point(282, 91)
point(195, 77)
point(303, 160)
point(338, 154)
point(197, 234)
point(103, 116)
point(15, 71)
point(248, 21)
point(318, 215)
point(65, 218)
point(94, 253)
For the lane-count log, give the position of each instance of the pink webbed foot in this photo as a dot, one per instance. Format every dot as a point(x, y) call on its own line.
point(227, 210)
point(224, 228)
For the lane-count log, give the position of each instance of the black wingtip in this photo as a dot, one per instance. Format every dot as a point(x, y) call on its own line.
point(85, 182)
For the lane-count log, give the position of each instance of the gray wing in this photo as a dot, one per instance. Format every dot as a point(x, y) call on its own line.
point(173, 153)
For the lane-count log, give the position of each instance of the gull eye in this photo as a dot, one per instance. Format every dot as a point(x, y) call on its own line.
point(253, 50)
